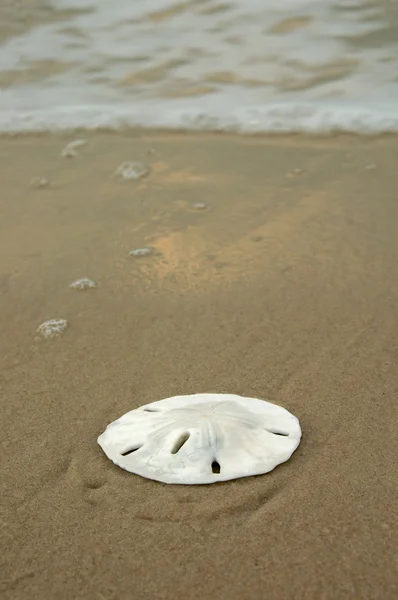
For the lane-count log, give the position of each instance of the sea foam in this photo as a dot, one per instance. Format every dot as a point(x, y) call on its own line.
point(242, 65)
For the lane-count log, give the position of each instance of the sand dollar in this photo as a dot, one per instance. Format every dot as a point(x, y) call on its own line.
point(52, 328)
point(202, 438)
point(84, 283)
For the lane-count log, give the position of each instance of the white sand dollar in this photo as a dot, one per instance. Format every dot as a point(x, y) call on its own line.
point(83, 284)
point(202, 438)
point(52, 328)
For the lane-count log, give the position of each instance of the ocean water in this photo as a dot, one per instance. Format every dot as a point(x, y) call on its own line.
point(237, 65)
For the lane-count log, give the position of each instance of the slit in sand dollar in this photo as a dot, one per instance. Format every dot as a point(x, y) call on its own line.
point(83, 284)
point(132, 170)
point(52, 328)
point(202, 438)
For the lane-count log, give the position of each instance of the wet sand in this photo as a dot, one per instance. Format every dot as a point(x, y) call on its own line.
point(284, 286)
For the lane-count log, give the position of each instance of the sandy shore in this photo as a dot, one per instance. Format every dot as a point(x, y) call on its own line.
point(283, 286)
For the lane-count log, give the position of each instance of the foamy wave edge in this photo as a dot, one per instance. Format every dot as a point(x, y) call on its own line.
point(272, 118)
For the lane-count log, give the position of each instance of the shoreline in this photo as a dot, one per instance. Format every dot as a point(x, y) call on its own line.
point(268, 118)
point(335, 139)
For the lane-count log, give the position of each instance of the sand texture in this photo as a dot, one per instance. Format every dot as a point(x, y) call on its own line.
point(273, 273)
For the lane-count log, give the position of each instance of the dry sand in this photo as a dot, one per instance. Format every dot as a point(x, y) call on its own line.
point(285, 286)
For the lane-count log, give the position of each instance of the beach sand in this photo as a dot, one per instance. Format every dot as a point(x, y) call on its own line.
point(283, 286)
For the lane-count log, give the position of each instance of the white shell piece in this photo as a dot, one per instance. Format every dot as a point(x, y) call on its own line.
point(39, 182)
point(141, 252)
point(68, 153)
point(82, 284)
point(132, 170)
point(70, 149)
point(202, 438)
point(78, 143)
point(52, 328)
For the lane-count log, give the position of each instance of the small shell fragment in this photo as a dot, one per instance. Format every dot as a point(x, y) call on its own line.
point(70, 149)
point(78, 143)
point(68, 153)
point(141, 252)
point(39, 182)
point(83, 284)
point(132, 170)
point(52, 328)
point(294, 172)
point(199, 205)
